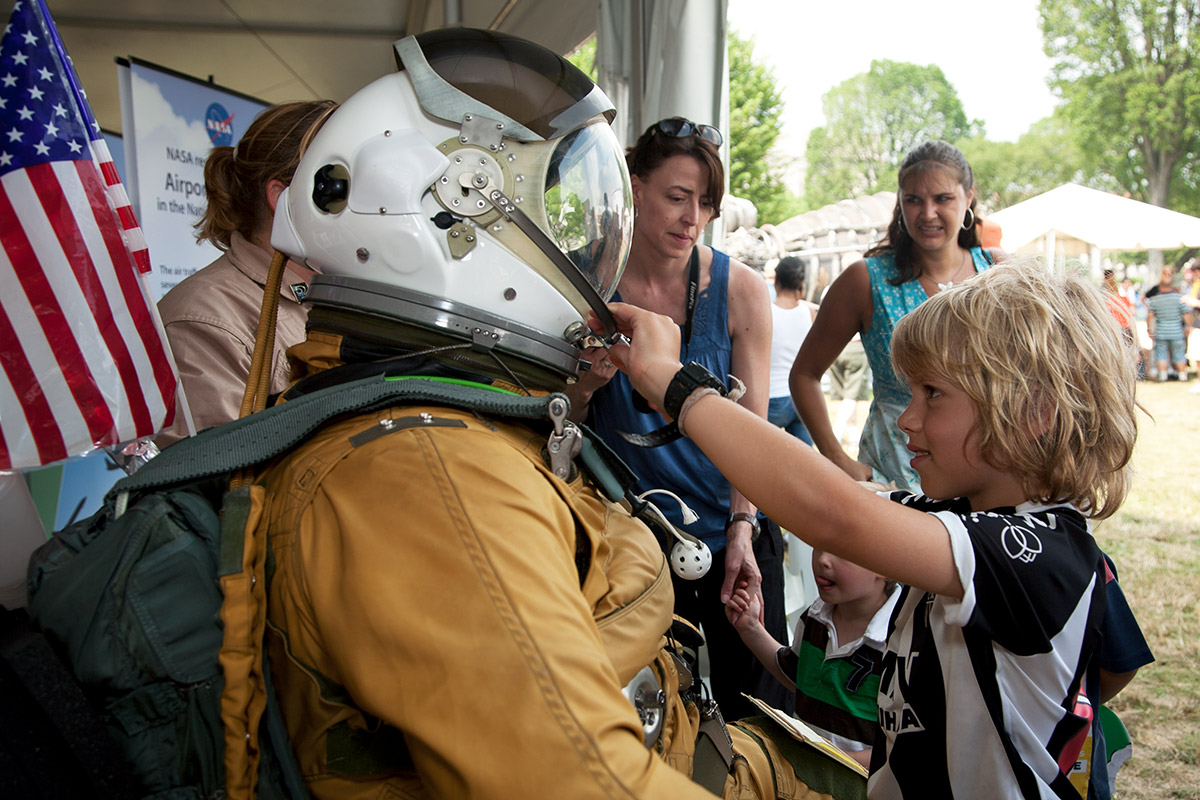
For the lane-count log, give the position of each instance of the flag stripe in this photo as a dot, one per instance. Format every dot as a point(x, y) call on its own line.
point(134, 300)
point(135, 240)
point(72, 294)
point(38, 417)
point(57, 204)
point(52, 384)
point(125, 214)
point(6, 463)
point(53, 321)
point(109, 170)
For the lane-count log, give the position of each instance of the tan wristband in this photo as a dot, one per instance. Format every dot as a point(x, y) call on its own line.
point(691, 400)
point(734, 394)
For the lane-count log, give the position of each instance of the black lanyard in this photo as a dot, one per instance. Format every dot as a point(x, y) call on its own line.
point(693, 293)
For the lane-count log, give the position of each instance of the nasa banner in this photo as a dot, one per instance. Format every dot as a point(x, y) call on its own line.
point(171, 122)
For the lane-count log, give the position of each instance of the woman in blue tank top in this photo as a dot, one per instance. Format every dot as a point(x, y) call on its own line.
point(932, 243)
point(678, 181)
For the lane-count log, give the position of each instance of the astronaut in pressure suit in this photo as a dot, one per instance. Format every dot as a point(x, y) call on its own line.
point(457, 607)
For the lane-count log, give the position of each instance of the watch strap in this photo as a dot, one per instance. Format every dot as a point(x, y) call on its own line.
point(690, 377)
point(655, 438)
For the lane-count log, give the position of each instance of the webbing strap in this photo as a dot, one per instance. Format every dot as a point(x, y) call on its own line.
point(265, 434)
point(714, 752)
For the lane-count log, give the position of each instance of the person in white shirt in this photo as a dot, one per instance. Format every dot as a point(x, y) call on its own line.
point(791, 318)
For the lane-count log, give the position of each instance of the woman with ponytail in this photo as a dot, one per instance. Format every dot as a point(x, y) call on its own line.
point(932, 243)
point(211, 316)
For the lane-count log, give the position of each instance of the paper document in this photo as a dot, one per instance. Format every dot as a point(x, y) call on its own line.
point(802, 733)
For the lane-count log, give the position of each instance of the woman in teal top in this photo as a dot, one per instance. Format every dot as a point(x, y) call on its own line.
point(932, 244)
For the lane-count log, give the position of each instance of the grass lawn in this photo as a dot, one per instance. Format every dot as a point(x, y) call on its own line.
point(1155, 541)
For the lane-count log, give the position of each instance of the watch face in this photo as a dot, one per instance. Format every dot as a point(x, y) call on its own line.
point(699, 375)
point(689, 378)
point(695, 372)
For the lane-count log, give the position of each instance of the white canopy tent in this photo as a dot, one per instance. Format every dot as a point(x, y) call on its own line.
point(1073, 220)
point(279, 50)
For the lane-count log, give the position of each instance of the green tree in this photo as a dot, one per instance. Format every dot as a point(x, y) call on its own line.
point(1185, 184)
point(871, 121)
point(584, 57)
point(755, 105)
point(1130, 75)
point(1046, 156)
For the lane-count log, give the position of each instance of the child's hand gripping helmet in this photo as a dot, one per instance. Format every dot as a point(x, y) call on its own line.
point(478, 193)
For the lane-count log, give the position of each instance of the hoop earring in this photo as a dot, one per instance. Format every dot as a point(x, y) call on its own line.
point(966, 226)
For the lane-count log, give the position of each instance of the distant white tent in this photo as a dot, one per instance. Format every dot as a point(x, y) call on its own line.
point(1073, 220)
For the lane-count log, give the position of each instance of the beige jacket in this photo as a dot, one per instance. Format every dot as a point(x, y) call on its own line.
point(430, 631)
point(211, 318)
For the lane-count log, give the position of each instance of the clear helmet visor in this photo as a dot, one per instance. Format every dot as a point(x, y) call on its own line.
point(589, 204)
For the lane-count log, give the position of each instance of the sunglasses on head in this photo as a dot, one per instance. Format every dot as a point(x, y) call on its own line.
point(679, 128)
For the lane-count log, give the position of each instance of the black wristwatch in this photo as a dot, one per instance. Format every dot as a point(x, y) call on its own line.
point(691, 376)
point(742, 516)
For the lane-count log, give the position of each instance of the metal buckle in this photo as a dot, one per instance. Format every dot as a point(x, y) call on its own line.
point(565, 443)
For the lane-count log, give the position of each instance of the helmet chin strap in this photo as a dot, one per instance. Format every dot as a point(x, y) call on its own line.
point(580, 283)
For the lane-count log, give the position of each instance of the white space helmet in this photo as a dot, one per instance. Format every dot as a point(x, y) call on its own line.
point(478, 193)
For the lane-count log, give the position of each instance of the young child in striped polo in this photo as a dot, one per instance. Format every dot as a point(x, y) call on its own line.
point(836, 656)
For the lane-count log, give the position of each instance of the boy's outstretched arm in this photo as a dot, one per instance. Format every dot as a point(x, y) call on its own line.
point(743, 611)
point(826, 508)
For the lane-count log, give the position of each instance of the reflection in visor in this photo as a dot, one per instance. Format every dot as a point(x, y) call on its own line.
point(589, 205)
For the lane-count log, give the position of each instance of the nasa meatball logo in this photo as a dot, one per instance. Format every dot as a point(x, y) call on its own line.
point(219, 124)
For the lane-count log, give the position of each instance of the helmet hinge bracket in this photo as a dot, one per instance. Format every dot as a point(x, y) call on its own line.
point(482, 132)
point(483, 341)
point(461, 240)
point(527, 226)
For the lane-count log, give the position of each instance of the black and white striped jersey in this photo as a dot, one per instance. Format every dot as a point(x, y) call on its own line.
point(976, 695)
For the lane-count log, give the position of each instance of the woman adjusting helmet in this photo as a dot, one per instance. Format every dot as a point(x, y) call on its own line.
point(478, 193)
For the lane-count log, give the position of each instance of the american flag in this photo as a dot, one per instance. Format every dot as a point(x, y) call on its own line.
point(84, 361)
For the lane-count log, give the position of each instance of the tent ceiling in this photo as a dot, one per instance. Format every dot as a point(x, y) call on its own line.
point(279, 50)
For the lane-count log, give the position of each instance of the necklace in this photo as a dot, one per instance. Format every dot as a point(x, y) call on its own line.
point(944, 286)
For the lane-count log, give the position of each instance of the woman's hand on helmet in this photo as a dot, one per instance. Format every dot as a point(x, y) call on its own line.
point(602, 371)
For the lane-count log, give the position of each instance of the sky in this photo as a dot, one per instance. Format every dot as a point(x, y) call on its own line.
point(991, 53)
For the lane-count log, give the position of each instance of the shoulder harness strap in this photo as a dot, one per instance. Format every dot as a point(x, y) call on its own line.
point(261, 436)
